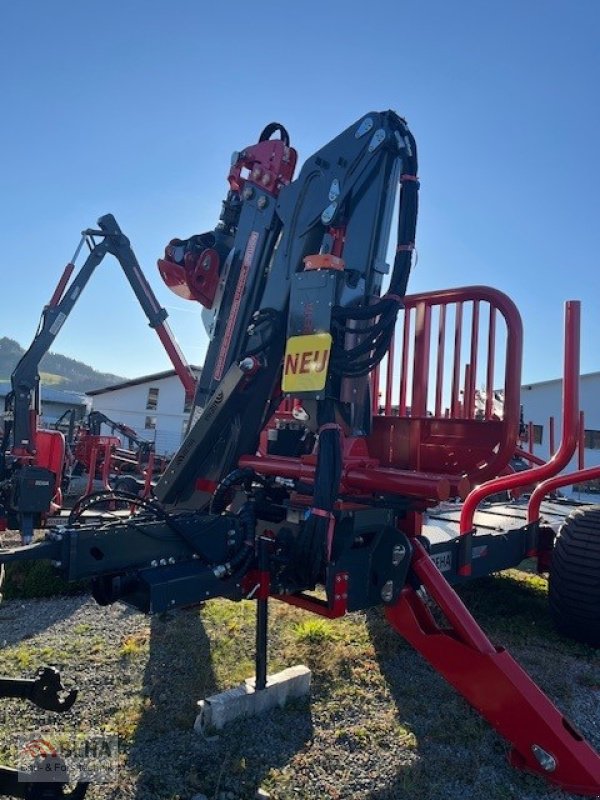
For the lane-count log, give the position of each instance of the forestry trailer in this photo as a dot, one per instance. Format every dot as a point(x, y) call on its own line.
point(291, 479)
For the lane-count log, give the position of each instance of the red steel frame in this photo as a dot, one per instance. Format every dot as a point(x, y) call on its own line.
point(493, 683)
point(570, 425)
point(566, 479)
point(463, 438)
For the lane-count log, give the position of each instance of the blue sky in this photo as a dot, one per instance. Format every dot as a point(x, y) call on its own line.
point(135, 107)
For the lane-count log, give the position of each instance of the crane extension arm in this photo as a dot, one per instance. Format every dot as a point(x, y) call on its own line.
point(25, 378)
point(343, 199)
point(96, 419)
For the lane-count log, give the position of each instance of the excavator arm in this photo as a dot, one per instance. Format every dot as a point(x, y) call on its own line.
point(27, 486)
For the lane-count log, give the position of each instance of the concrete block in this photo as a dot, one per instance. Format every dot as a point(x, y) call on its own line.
point(244, 701)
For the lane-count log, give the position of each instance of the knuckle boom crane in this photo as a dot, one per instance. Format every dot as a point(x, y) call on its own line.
point(286, 479)
point(32, 459)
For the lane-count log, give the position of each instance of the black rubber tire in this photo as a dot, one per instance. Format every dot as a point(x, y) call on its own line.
point(127, 483)
point(574, 583)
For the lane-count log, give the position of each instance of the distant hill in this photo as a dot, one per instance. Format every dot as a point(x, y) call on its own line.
point(56, 370)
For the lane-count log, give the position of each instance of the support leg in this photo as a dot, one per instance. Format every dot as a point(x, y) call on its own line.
point(262, 620)
point(543, 740)
point(262, 616)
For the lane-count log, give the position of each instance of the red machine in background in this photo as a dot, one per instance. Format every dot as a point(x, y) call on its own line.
point(32, 461)
point(127, 461)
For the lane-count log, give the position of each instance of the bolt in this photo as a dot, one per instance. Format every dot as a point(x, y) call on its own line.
point(545, 760)
point(387, 592)
point(56, 563)
point(328, 214)
point(154, 563)
point(206, 263)
point(163, 562)
point(262, 202)
point(248, 193)
point(398, 554)
point(247, 364)
point(171, 560)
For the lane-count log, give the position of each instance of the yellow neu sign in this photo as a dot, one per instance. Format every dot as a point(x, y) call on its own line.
point(305, 364)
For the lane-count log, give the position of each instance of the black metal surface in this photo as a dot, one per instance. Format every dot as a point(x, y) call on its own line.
point(363, 547)
point(46, 690)
point(32, 490)
point(257, 275)
point(19, 783)
point(491, 552)
point(262, 622)
point(135, 544)
point(313, 295)
point(163, 588)
point(208, 444)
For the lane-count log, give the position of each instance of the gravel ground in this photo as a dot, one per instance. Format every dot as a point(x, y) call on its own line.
point(380, 725)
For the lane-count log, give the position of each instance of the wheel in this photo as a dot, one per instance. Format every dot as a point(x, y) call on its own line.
point(127, 483)
point(574, 583)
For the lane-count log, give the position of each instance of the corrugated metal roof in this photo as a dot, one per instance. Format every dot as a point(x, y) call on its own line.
point(155, 376)
point(528, 386)
point(52, 395)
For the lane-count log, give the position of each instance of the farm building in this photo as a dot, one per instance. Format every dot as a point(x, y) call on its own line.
point(54, 402)
point(153, 405)
point(542, 401)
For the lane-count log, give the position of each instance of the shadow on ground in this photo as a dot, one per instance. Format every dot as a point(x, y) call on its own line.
point(171, 759)
point(459, 755)
point(21, 620)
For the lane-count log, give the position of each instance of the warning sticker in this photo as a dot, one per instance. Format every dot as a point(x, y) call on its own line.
point(305, 364)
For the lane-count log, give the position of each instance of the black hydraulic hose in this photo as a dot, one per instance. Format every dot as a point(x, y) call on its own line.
point(217, 504)
point(365, 356)
point(90, 500)
point(313, 541)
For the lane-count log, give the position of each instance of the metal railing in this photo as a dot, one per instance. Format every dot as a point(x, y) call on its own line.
point(428, 412)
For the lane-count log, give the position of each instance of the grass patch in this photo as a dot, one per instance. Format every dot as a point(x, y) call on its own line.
point(513, 607)
point(315, 631)
point(124, 723)
point(135, 644)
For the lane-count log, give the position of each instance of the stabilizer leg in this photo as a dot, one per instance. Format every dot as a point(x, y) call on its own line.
point(543, 740)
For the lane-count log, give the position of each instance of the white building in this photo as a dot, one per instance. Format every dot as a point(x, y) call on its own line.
point(543, 400)
point(54, 403)
point(153, 405)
